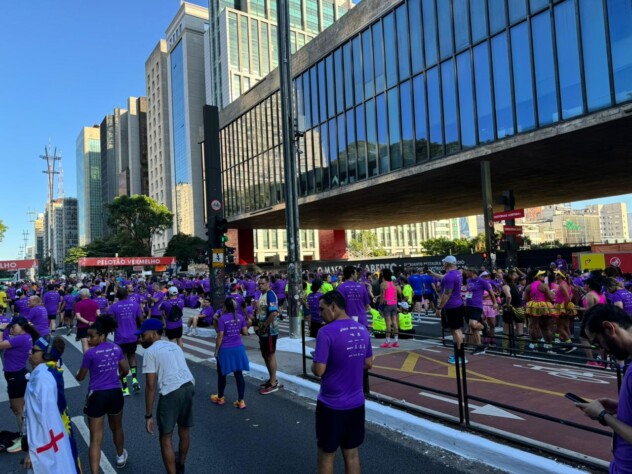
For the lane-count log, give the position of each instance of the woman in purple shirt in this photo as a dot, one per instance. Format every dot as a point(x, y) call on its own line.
point(16, 348)
point(230, 353)
point(107, 364)
point(619, 296)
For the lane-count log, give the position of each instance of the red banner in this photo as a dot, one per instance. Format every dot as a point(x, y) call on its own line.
point(17, 264)
point(623, 260)
point(506, 215)
point(125, 261)
point(512, 229)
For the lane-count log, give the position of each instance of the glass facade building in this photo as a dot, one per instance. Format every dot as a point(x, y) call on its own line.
point(243, 39)
point(427, 79)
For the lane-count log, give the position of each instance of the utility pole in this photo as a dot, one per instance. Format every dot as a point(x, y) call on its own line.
point(51, 159)
point(25, 238)
point(488, 212)
point(289, 165)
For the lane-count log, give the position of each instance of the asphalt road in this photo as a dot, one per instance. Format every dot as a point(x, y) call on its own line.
point(274, 434)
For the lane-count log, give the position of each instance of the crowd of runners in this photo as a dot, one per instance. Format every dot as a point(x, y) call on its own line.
point(536, 308)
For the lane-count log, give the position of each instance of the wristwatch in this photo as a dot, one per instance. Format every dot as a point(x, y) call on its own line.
point(602, 417)
point(148, 417)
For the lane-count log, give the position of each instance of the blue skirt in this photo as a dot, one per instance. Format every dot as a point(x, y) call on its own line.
point(233, 359)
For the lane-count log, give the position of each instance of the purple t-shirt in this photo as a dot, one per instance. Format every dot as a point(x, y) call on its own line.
point(625, 297)
point(452, 281)
point(207, 314)
point(239, 302)
point(166, 307)
point(102, 303)
point(102, 361)
point(250, 286)
point(51, 301)
point(126, 313)
point(39, 318)
point(475, 289)
point(231, 330)
point(69, 302)
point(621, 449)
point(356, 299)
point(22, 306)
point(15, 358)
point(313, 303)
point(342, 346)
point(156, 309)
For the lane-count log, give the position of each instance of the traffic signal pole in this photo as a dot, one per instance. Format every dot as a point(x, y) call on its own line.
point(289, 160)
point(488, 212)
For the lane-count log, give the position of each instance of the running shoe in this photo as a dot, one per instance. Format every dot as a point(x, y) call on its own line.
point(385, 345)
point(186, 331)
point(265, 384)
point(593, 363)
point(135, 385)
point(531, 346)
point(396, 344)
point(269, 389)
point(121, 460)
point(479, 350)
point(126, 392)
point(239, 404)
point(461, 361)
point(451, 359)
point(194, 333)
point(16, 447)
point(215, 398)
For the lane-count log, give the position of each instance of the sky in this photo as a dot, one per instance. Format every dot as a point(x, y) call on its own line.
point(65, 65)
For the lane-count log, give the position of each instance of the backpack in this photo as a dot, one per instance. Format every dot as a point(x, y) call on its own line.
point(175, 313)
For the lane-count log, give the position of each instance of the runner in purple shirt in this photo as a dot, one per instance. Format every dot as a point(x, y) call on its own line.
point(105, 362)
point(128, 316)
point(16, 353)
point(68, 306)
point(357, 298)
point(230, 353)
point(343, 352)
point(173, 318)
point(476, 287)
point(313, 303)
point(21, 304)
point(52, 303)
point(38, 317)
point(450, 306)
point(619, 296)
point(155, 302)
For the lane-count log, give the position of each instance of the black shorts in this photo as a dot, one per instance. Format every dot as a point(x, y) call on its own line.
point(473, 313)
point(68, 314)
point(128, 348)
point(248, 300)
point(339, 428)
point(16, 383)
point(203, 323)
point(314, 327)
point(267, 345)
point(281, 302)
point(104, 402)
point(52, 317)
point(416, 298)
point(452, 318)
point(82, 333)
point(175, 333)
point(428, 296)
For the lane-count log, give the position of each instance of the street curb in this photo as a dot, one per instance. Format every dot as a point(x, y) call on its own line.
point(458, 442)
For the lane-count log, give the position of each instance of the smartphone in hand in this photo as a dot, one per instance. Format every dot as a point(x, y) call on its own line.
point(574, 398)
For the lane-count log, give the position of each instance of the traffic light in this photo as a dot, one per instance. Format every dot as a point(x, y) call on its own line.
point(230, 254)
point(221, 228)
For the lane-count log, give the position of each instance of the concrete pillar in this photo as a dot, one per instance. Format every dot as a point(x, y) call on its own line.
point(244, 243)
point(332, 244)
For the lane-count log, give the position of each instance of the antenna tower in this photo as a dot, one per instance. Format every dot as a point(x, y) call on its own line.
point(51, 157)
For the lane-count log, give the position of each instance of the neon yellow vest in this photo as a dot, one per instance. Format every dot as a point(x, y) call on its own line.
point(379, 324)
point(405, 321)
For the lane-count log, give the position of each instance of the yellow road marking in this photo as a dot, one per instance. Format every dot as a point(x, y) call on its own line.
point(411, 360)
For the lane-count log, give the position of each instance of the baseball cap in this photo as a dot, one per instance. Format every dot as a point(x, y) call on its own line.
point(173, 290)
point(403, 305)
point(151, 324)
point(450, 259)
point(484, 274)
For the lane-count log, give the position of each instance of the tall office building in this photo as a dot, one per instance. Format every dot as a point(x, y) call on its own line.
point(124, 160)
point(158, 144)
point(613, 221)
point(88, 152)
point(39, 237)
point(186, 94)
point(61, 224)
point(243, 45)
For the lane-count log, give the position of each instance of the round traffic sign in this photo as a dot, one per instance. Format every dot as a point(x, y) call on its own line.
point(216, 205)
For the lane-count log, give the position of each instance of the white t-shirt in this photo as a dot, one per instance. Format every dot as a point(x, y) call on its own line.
point(166, 359)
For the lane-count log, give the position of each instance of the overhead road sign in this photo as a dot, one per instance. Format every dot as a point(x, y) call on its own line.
point(507, 215)
point(512, 229)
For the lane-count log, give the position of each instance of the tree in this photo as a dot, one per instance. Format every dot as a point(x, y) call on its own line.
point(107, 247)
point(186, 249)
point(365, 245)
point(74, 254)
point(3, 229)
point(135, 219)
point(442, 246)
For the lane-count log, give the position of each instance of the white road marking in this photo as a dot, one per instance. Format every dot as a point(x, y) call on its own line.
point(85, 434)
point(489, 410)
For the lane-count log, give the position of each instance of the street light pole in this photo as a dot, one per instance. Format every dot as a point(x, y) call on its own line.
point(289, 162)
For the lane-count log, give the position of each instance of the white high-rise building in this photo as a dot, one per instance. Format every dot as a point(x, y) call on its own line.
point(613, 219)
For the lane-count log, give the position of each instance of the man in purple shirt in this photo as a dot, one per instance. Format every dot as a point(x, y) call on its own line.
point(52, 303)
point(38, 317)
point(476, 287)
point(450, 306)
point(356, 296)
point(611, 328)
point(129, 317)
point(343, 352)
point(173, 319)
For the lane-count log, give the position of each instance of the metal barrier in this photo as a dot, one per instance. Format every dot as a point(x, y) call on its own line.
point(463, 397)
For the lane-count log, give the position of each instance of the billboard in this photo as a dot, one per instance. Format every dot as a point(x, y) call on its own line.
point(10, 265)
point(125, 261)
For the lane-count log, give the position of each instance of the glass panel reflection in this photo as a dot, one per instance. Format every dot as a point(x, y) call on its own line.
point(461, 24)
point(484, 106)
point(393, 130)
point(445, 28)
point(391, 51)
point(378, 57)
point(352, 156)
point(361, 145)
point(595, 54)
point(620, 19)
point(502, 86)
point(449, 108)
point(416, 44)
point(408, 143)
point(466, 100)
point(382, 133)
point(430, 31)
point(568, 59)
point(371, 138)
point(421, 121)
point(545, 84)
point(525, 115)
point(478, 17)
point(434, 113)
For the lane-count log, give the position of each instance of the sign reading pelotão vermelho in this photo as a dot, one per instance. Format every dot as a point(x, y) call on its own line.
point(124, 261)
point(17, 264)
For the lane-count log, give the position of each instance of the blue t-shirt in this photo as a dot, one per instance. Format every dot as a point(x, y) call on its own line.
point(427, 281)
point(416, 282)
